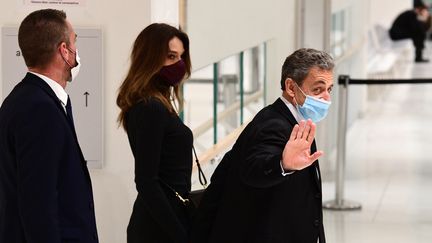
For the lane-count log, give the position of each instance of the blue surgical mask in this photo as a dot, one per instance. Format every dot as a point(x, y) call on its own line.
point(313, 108)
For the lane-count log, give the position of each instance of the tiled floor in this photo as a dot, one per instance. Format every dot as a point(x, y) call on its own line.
point(389, 169)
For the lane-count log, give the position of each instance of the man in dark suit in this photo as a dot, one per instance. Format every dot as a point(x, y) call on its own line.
point(45, 187)
point(267, 188)
point(413, 24)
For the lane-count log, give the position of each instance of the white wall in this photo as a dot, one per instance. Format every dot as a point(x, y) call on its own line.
point(166, 11)
point(120, 21)
point(218, 29)
point(385, 11)
point(314, 24)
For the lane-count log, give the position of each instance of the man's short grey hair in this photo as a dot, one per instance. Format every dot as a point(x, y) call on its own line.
point(298, 64)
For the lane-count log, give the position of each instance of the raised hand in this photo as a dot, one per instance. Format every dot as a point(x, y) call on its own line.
point(296, 154)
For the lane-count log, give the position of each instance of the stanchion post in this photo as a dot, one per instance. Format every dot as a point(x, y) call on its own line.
point(339, 203)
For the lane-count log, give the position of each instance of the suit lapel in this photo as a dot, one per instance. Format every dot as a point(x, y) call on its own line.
point(35, 80)
point(316, 170)
point(281, 107)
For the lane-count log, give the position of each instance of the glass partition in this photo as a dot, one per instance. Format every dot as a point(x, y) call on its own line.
point(339, 33)
point(222, 96)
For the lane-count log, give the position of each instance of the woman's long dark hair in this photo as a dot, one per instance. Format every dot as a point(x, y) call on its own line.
point(149, 53)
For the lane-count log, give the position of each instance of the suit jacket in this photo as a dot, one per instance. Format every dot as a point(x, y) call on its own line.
point(249, 200)
point(45, 187)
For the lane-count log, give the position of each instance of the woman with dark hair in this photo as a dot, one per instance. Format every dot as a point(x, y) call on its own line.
point(160, 142)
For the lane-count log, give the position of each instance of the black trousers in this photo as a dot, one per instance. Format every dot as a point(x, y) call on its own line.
point(418, 38)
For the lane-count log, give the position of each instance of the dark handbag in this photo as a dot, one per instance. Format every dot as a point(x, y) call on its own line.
point(194, 197)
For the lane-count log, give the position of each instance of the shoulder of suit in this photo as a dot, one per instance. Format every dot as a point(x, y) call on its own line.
point(25, 108)
point(271, 112)
point(26, 94)
point(269, 121)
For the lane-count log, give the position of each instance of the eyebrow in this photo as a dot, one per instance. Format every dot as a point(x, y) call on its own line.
point(320, 82)
point(176, 52)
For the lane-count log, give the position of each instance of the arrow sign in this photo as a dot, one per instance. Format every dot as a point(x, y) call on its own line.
point(86, 97)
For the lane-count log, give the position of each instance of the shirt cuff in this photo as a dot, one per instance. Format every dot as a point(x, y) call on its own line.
point(285, 173)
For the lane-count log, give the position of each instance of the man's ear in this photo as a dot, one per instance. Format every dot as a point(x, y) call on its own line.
point(289, 87)
point(63, 48)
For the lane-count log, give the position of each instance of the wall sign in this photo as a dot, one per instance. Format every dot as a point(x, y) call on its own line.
point(55, 2)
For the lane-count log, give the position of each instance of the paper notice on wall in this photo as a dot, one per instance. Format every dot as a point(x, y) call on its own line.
point(55, 2)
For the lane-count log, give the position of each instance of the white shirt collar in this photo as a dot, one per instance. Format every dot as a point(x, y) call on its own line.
point(56, 87)
point(293, 110)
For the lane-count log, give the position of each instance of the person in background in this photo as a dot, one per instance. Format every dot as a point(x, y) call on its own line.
point(161, 144)
point(413, 24)
point(45, 188)
point(267, 188)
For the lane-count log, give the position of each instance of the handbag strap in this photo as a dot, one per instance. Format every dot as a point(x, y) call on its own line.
point(201, 176)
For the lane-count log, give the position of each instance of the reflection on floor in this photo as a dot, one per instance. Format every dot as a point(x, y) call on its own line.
point(389, 169)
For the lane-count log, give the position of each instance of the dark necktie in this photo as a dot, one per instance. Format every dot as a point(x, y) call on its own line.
point(71, 123)
point(69, 113)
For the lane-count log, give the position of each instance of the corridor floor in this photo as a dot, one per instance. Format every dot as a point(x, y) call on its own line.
point(389, 169)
